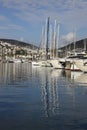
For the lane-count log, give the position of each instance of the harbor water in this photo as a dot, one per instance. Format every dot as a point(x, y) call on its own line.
point(35, 98)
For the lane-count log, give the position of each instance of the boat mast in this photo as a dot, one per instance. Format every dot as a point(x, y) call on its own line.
point(42, 39)
point(50, 41)
point(74, 40)
point(47, 36)
point(57, 40)
point(54, 41)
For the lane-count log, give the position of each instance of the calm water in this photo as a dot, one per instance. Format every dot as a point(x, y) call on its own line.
point(42, 98)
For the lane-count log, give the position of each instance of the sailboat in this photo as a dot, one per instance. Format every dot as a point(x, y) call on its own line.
point(55, 60)
point(43, 61)
point(45, 39)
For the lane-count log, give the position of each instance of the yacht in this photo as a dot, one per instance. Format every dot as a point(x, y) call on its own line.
point(81, 64)
point(70, 61)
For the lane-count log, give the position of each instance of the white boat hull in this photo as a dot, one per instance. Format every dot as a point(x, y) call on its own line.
point(41, 63)
point(44, 63)
point(35, 64)
point(81, 64)
point(74, 67)
point(56, 64)
point(70, 65)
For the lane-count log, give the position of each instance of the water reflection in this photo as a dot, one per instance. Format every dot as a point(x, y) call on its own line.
point(46, 79)
point(12, 74)
point(41, 98)
point(81, 79)
point(78, 78)
point(49, 88)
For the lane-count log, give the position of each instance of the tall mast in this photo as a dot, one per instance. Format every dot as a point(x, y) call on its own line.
point(43, 36)
point(50, 40)
point(47, 36)
point(54, 42)
point(57, 40)
point(74, 41)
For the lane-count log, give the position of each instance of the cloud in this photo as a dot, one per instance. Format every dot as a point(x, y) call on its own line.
point(72, 13)
point(21, 39)
point(38, 10)
point(44, 4)
point(70, 37)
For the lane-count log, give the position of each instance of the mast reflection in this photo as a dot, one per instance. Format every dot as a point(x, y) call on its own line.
point(49, 88)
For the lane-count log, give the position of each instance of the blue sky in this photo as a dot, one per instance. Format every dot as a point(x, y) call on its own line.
point(23, 19)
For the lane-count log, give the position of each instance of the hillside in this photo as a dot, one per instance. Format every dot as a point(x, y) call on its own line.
point(19, 43)
point(78, 45)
